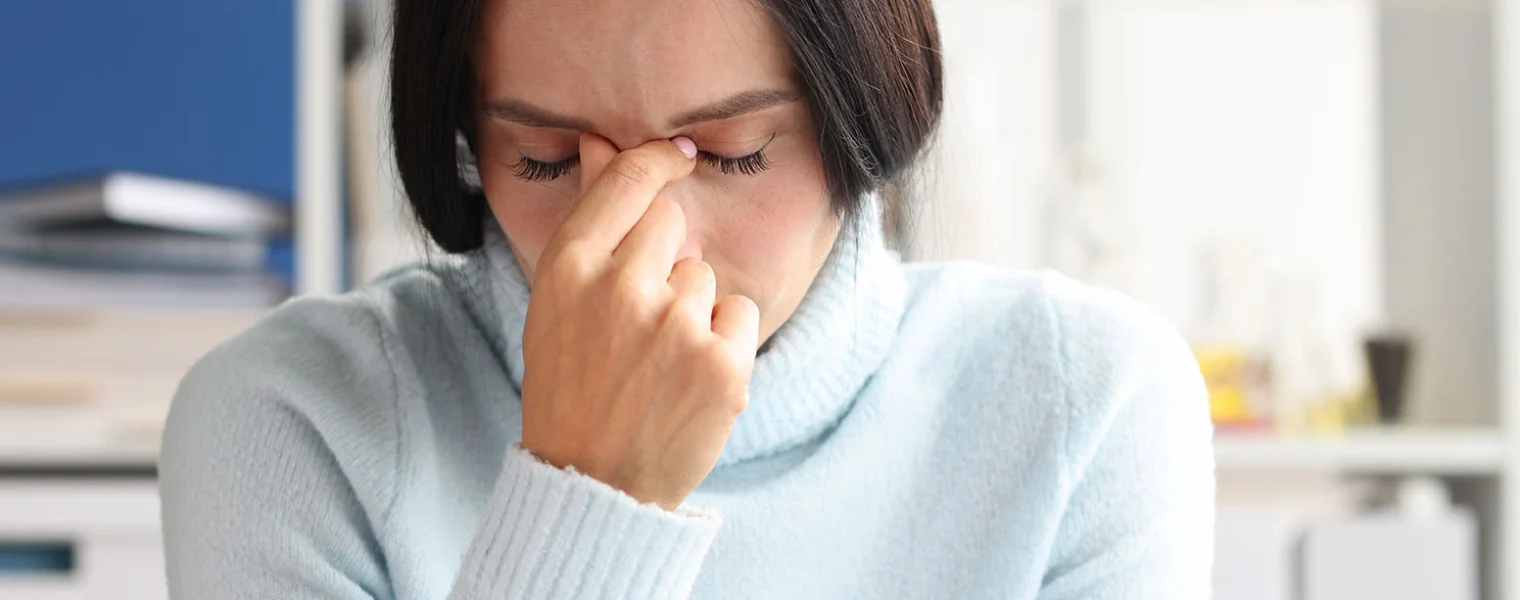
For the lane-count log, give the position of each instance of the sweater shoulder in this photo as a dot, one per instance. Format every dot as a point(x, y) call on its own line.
point(342, 342)
point(1031, 294)
point(1122, 363)
point(313, 369)
point(1090, 331)
point(1096, 398)
point(1011, 301)
point(328, 371)
point(1088, 348)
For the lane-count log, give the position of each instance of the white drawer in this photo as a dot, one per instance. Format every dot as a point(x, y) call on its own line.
point(80, 540)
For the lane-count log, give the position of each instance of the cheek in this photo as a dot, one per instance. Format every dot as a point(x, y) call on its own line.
point(779, 221)
point(529, 212)
point(775, 237)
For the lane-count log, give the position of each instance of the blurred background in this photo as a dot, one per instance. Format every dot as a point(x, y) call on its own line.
point(1320, 194)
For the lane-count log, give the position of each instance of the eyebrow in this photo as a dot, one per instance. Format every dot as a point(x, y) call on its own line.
point(735, 105)
point(517, 111)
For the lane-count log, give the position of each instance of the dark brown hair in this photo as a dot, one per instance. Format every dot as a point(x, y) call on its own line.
point(870, 70)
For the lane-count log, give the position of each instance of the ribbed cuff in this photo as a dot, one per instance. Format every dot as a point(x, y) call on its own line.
point(552, 533)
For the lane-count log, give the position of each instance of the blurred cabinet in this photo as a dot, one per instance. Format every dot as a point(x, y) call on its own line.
point(80, 540)
point(243, 93)
point(1253, 557)
point(1391, 558)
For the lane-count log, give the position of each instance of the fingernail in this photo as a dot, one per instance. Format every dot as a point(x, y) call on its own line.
point(688, 147)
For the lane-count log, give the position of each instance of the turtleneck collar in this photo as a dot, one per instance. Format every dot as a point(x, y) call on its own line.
point(809, 372)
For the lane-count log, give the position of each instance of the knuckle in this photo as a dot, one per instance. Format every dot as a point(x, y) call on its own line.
point(732, 386)
point(633, 169)
point(571, 262)
point(570, 252)
point(677, 320)
point(716, 359)
point(737, 402)
point(631, 287)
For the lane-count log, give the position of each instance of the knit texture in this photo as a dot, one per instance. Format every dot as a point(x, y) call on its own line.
point(914, 431)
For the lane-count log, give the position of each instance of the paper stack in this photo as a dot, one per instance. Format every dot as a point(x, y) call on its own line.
point(111, 287)
point(131, 240)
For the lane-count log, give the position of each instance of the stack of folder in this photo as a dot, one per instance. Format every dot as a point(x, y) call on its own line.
point(111, 287)
point(133, 240)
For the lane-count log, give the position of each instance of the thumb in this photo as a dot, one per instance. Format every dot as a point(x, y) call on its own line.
point(737, 319)
point(596, 152)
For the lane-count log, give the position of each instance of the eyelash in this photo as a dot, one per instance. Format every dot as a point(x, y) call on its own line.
point(751, 164)
point(528, 169)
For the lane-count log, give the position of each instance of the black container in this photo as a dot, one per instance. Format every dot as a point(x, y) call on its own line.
point(1388, 363)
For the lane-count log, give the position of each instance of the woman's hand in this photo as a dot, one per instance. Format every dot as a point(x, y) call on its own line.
point(635, 370)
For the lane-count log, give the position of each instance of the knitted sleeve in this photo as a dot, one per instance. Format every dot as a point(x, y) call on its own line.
point(278, 477)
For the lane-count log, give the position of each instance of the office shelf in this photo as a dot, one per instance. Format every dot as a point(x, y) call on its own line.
point(1450, 451)
point(77, 450)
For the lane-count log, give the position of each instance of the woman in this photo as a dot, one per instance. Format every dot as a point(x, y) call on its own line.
point(721, 385)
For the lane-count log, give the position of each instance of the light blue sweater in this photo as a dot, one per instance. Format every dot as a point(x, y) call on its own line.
point(921, 431)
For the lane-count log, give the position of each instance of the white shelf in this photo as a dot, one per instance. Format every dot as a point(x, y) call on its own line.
point(78, 450)
point(1450, 451)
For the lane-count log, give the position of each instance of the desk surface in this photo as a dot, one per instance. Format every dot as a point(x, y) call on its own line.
point(74, 450)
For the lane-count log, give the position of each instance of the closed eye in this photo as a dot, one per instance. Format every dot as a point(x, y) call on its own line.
point(528, 169)
point(750, 164)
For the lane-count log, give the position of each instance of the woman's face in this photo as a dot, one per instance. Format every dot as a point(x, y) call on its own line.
point(717, 71)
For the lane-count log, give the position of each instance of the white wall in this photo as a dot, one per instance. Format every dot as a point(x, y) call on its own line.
point(993, 155)
point(1439, 175)
point(384, 234)
point(1246, 122)
point(1243, 129)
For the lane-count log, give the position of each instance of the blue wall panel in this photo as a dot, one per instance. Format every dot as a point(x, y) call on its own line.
point(196, 89)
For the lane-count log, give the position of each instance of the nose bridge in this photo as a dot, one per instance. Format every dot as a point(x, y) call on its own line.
point(684, 192)
point(630, 133)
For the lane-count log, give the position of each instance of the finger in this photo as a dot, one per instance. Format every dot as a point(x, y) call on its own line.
point(737, 319)
point(595, 152)
point(623, 190)
point(655, 241)
point(695, 287)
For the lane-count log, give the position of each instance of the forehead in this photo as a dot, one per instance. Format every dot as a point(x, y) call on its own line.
point(634, 61)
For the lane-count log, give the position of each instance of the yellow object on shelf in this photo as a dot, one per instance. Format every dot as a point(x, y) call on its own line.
point(1234, 383)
